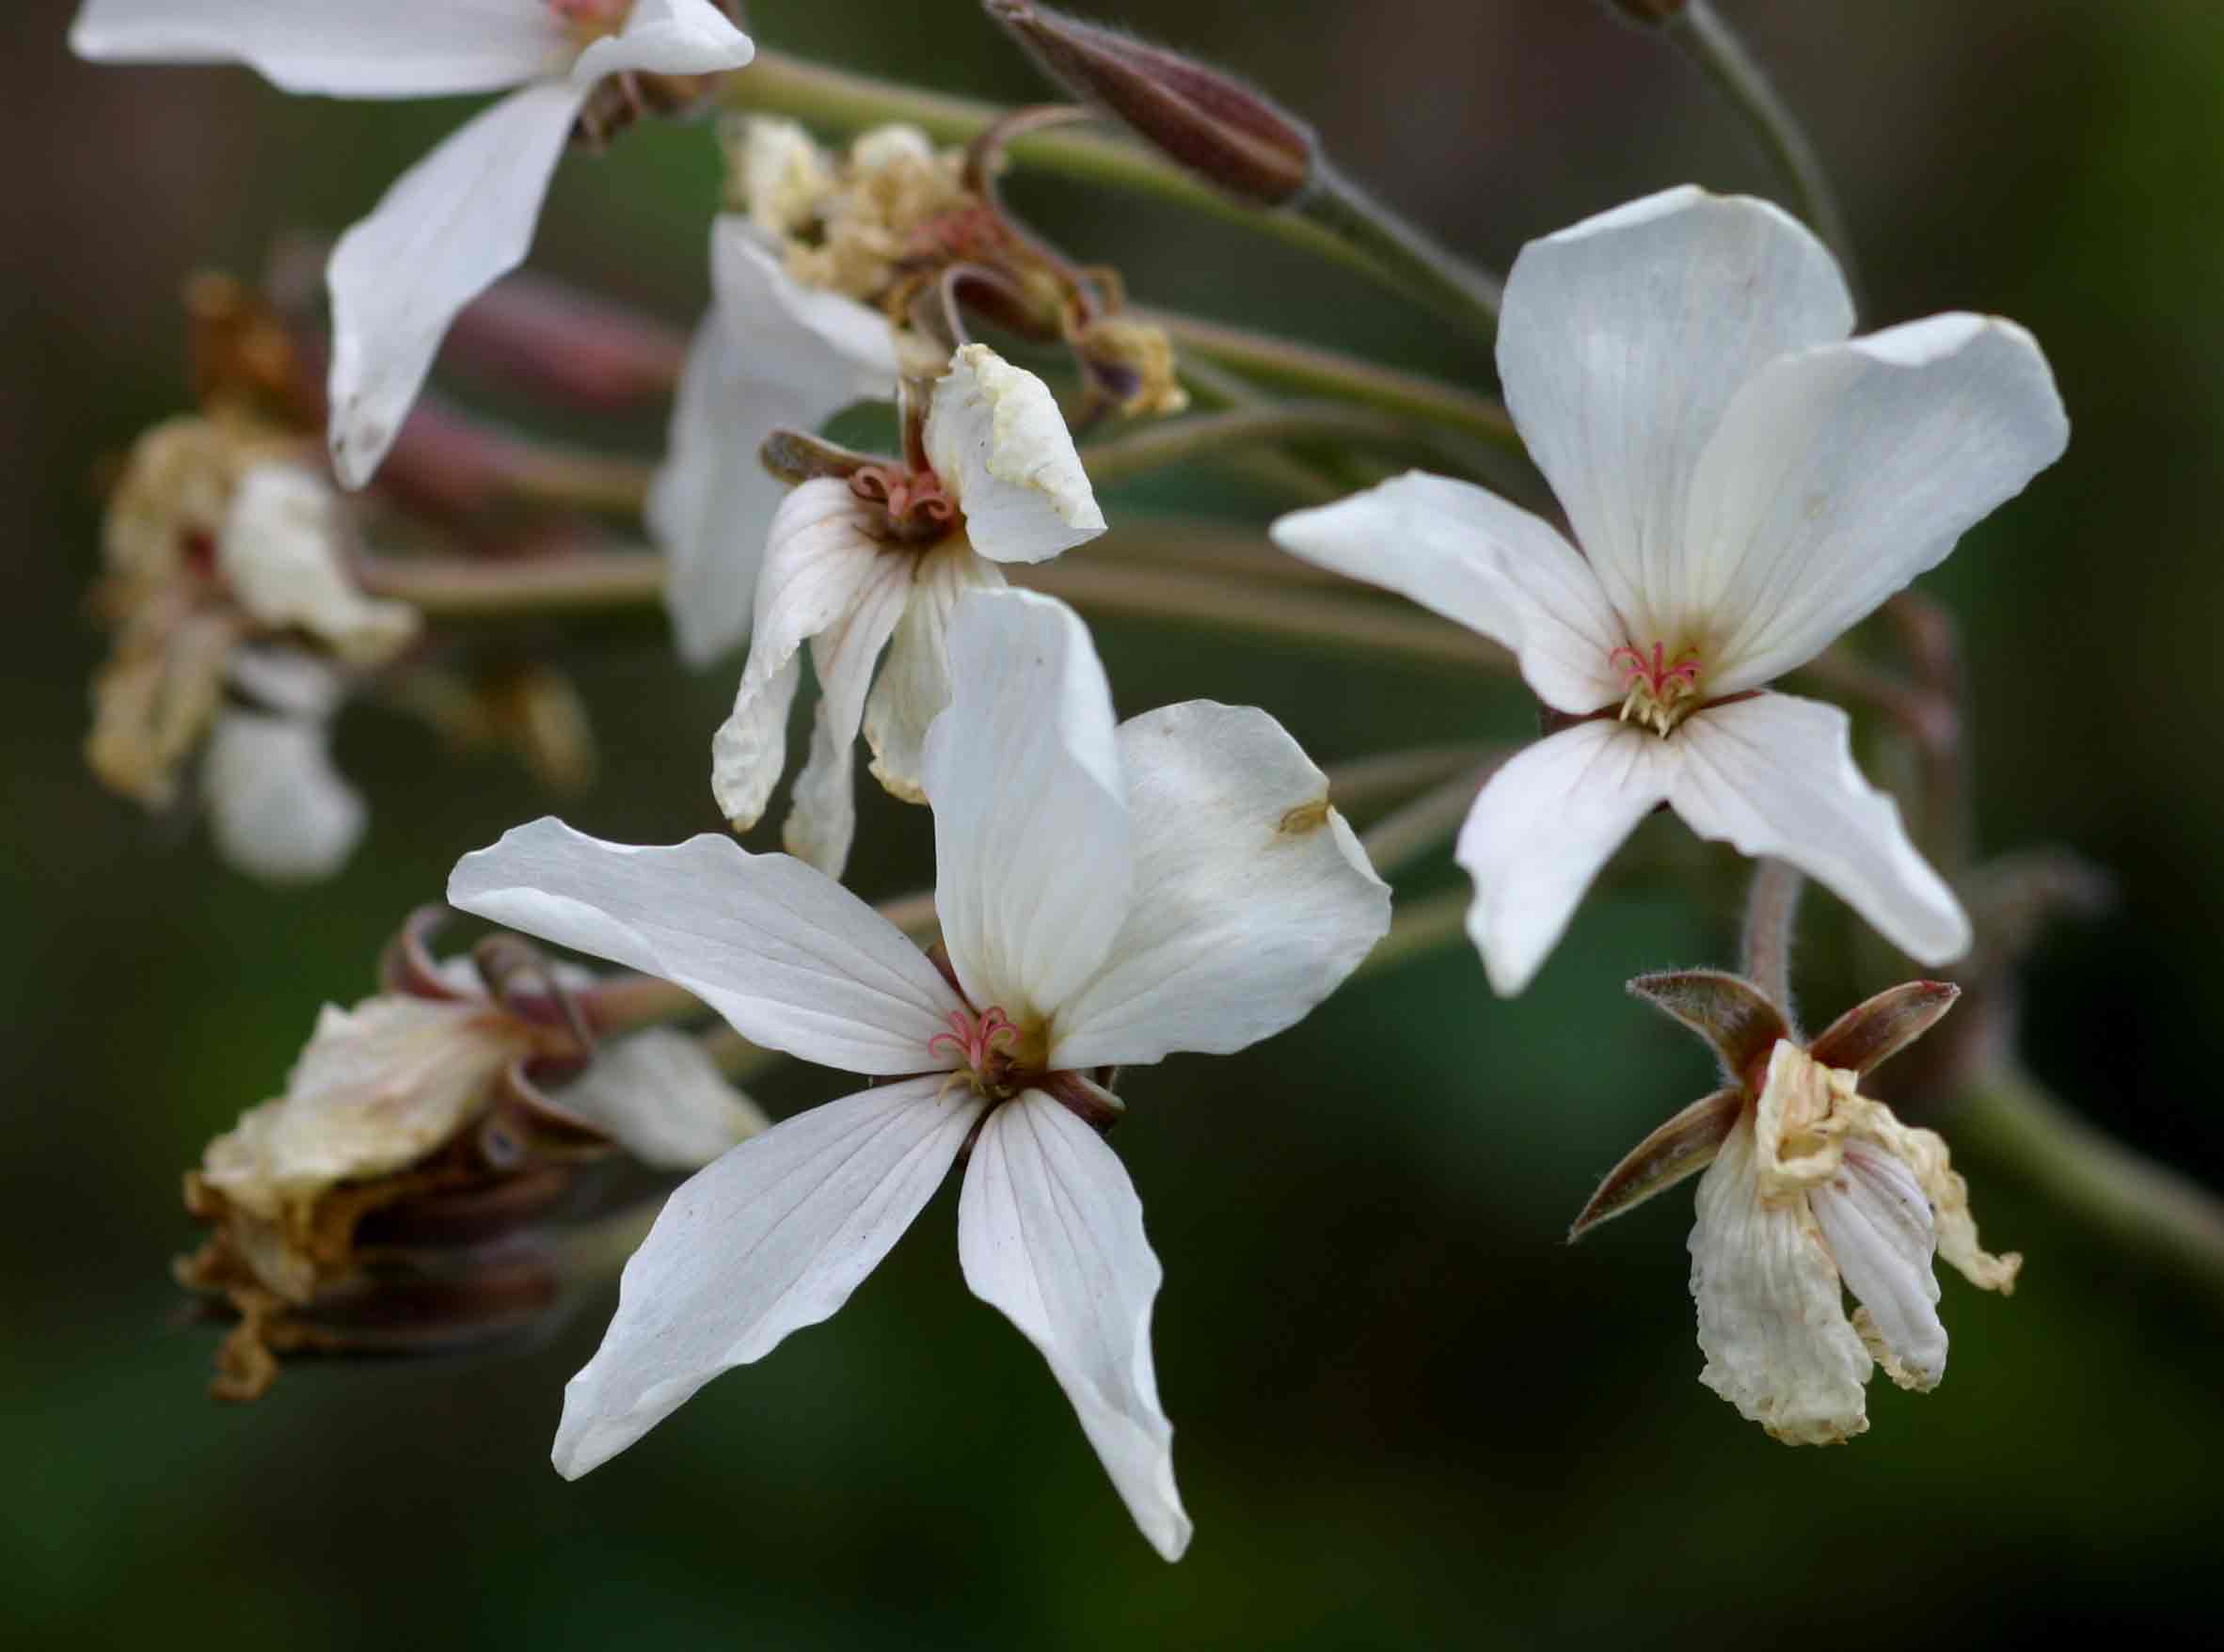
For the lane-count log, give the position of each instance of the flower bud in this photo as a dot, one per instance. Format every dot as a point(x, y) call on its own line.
point(1209, 122)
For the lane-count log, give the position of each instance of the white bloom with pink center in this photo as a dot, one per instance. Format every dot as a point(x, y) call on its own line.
point(1746, 484)
point(1004, 485)
point(1108, 895)
point(462, 217)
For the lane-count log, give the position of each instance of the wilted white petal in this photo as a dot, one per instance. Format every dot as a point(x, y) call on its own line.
point(666, 36)
point(1461, 551)
point(1878, 1221)
point(347, 48)
point(791, 958)
point(915, 681)
point(277, 807)
point(1774, 775)
point(769, 1239)
point(1772, 1319)
point(995, 438)
point(1033, 844)
point(823, 567)
point(1051, 1232)
point(1545, 824)
point(452, 225)
point(1840, 473)
point(378, 1086)
point(1252, 899)
point(783, 171)
point(279, 552)
point(662, 1098)
point(769, 354)
point(285, 679)
point(1622, 341)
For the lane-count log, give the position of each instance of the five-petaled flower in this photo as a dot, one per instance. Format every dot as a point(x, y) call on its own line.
point(463, 216)
point(1107, 895)
point(877, 562)
point(1812, 1189)
point(1746, 483)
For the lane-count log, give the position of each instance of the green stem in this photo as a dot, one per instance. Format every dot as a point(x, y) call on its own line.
point(1430, 820)
point(1711, 44)
point(1171, 441)
point(2145, 1207)
point(1418, 929)
point(1405, 254)
point(1772, 912)
point(571, 582)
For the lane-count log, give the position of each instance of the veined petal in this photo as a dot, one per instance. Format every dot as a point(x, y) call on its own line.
point(666, 36)
point(1033, 844)
point(995, 438)
point(1772, 1318)
point(1623, 339)
point(822, 564)
point(393, 48)
point(1840, 473)
point(769, 1239)
point(278, 808)
point(448, 228)
point(1545, 824)
point(1461, 551)
point(769, 354)
point(915, 681)
point(794, 960)
point(1252, 899)
point(1878, 1222)
point(1774, 775)
point(1051, 1234)
point(662, 1098)
point(279, 552)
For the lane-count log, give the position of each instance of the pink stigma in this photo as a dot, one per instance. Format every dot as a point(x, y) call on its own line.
point(1656, 673)
point(908, 494)
point(594, 13)
point(972, 1040)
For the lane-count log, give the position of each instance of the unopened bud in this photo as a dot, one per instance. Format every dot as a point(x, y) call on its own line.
point(1200, 116)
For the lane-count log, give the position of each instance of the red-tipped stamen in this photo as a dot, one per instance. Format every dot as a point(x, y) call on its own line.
point(973, 1041)
point(1655, 674)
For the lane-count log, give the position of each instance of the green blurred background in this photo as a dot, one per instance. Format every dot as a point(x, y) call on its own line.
point(1407, 1414)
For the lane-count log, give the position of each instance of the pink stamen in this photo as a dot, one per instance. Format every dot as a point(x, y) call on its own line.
point(905, 492)
point(972, 1041)
point(1655, 674)
point(594, 13)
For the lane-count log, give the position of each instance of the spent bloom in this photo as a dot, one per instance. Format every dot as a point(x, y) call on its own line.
point(1812, 1190)
point(1746, 483)
point(1107, 895)
point(465, 216)
point(876, 561)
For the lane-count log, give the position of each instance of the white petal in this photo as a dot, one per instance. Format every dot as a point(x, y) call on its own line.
point(1774, 775)
point(1051, 1232)
point(451, 226)
point(771, 1238)
point(284, 679)
point(995, 438)
point(1878, 1221)
point(1252, 899)
point(277, 807)
point(823, 809)
point(1771, 1317)
point(1623, 339)
point(393, 48)
point(1838, 474)
point(1462, 551)
point(667, 37)
point(822, 567)
point(770, 353)
point(1545, 824)
point(1033, 844)
point(662, 1098)
point(791, 958)
point(915, 681)
point(279, 552)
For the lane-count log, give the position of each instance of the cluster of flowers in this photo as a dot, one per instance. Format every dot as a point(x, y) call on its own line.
point(1745, 481)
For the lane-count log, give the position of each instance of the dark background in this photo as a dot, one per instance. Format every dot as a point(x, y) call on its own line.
point(1408, 1415)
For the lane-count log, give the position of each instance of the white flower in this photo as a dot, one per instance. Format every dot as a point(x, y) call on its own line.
point(462, 217)
point(1107, 895)
point(277, 807)
point(854, 569)
point(1746, 484)
point(771, 352)
point(1817, 1191)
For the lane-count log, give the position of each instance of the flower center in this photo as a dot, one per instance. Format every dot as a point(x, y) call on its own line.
point(981, 1045)
point(591, 19)
point(918, 507)
point(1660, 691)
